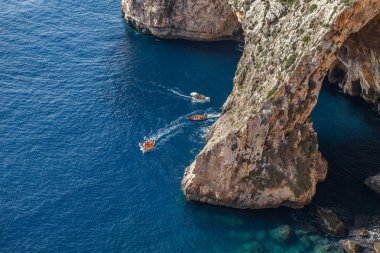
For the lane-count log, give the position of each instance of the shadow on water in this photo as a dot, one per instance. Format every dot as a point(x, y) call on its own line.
point(348, 134)
point(349, 138)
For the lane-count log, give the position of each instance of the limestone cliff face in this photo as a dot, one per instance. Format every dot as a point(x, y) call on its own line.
point(357, 69)
point(263, 152)
point(187, 19)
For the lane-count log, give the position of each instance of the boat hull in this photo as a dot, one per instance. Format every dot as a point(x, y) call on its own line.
point(147, 149)
point(197, 119)
point(205, 100)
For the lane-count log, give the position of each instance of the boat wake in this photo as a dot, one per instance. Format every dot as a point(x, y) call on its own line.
point(161, 89)
point(170, 130)
point(204, 132)
point(179, 94)
point(213, 115)
point(166, 131)
point(162, 135)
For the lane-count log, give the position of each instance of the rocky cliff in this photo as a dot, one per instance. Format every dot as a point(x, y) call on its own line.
point(186, 19)
point(357, 69)
point(263, 151)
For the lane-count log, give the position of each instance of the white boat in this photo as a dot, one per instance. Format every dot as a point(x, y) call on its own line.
point(199, 98)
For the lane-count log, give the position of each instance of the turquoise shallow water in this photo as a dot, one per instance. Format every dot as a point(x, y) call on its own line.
point(80, 90)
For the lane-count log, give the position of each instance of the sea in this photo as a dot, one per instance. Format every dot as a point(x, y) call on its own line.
point(80, 89)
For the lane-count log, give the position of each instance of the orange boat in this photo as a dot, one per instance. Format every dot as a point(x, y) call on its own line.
point(147, 146)
point(198, 117)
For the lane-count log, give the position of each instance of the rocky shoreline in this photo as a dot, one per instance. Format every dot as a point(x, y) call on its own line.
point(360, 235)
point(263, 151)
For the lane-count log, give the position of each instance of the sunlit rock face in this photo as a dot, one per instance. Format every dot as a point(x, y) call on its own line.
point(185, 19)
point(357, 69)
point(263, 151)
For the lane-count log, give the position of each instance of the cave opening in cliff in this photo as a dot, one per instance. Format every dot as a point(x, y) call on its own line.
point(356, 70)
point(346, 119)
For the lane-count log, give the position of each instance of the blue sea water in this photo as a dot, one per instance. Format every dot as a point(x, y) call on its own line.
point(79, 89)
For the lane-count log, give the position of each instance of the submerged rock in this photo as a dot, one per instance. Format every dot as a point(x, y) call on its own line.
point(327, 248)
point(373, 183)
point(330, 222)
point(360, 232)
point(241, 235)
point(281, 234)
point(350, 246)
point(301, 230)
point(260, 235)
point(251, 247)
point(314, 238)
point(305, 241)
point(228, 220)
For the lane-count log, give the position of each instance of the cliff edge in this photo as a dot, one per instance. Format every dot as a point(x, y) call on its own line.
point(204, 20)
point(263, 151)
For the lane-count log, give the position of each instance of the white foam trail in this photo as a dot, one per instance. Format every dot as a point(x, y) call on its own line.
point(213, 115)
point(167, 137)
point(179, 94)
point(165, 131)
point(200, 101)
point(163, 89)
point(204, 132)
point(173, 127)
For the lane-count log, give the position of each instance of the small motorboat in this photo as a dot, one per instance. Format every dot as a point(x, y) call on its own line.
point(147, 145)
point(198, 118)
point(196, 97)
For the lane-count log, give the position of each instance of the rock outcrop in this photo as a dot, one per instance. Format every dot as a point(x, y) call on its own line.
point(362, 240)
point(350, 246)
point(281, 234)
point(357, 69)
point(184, 19)
point(373, 183)
point(263, 151)
point(330, 222)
